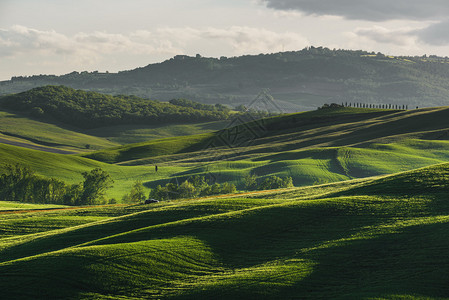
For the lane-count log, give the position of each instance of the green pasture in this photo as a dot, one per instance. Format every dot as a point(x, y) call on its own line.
point(69, 168)
point(7, 206)
point(317, 147)
point(22, 128)
point(128, 134)
point(306, 167)
point(48, 134)
point(375, 238)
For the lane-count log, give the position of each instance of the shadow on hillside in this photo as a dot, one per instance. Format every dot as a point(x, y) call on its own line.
point(410, 262)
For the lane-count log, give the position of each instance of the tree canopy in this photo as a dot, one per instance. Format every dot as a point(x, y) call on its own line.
point(91, 109)
point(20, 183)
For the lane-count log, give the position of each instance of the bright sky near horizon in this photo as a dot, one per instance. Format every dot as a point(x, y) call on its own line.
point(61, 36)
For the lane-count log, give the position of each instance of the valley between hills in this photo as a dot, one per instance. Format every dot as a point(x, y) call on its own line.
point(360, 210)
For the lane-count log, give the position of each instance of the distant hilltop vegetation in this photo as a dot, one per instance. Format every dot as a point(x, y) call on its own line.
point(92, 110)
point(300, 80)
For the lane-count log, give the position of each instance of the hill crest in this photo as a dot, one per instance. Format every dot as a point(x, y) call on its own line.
point(299, 80)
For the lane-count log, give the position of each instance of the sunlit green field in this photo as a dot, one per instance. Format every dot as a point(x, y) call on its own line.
point(7, 206)
point(48, 134)
point(306, 167)
point(348, 230)
point(140, 133)
point(69, 168)
point(324, 147)
point(16, 127)
point(380, 237)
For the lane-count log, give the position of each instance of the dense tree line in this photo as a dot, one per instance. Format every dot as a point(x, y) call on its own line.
point(196, 105)
point(91, 109)
point(365, 105)
point(19, 183)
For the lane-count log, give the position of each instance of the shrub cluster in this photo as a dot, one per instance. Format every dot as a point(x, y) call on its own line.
point(20, 183)
point(193, 187)
point(269, 183)
point(199, 186)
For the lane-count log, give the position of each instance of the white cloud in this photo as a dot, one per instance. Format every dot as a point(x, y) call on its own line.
point(27, 51)
point(379, 34)
point(20, 40)
point(246, 40)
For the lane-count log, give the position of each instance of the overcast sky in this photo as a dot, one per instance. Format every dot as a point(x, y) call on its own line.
point(60, 36)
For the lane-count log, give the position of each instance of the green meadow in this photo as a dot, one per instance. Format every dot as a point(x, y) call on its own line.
point(367, 219)
point(13, 125)
point(16, 127)
point(315, 147)
point(373, 238)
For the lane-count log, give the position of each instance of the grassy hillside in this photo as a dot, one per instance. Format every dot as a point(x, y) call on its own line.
point(26, 131)
point(374, 238)
point(13, 125)
point(313, 148)
point(69, 168)
point(128, 134)
point(154, 148)
point(273, 131)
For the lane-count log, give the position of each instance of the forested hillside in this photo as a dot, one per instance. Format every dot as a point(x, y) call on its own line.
point(91, 109)
point(300, 80)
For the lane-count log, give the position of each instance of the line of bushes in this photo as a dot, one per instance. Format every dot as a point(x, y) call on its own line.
point(252, 182)
point(198, 186)
point(190, 188)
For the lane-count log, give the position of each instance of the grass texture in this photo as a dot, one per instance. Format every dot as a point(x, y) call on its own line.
point(374, 238)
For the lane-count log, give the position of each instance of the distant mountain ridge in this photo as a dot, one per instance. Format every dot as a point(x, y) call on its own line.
point(300, 80)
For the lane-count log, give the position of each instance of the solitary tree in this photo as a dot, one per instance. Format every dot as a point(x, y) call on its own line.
point(136, 194)
point(95, 184)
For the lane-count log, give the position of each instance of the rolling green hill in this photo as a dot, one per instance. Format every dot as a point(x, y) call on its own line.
point(36, 133)
point(313, 147)
point(316, 147)
point(299, 80)
point(377, 238)
point(70, 167)
point(347, 231)
point(20, 128)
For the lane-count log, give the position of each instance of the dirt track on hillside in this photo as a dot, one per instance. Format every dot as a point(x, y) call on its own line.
point(35, 147)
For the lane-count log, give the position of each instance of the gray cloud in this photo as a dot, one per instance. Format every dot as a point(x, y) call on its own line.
point(436, 34)
point(379, 10)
